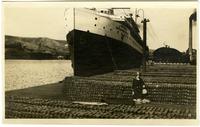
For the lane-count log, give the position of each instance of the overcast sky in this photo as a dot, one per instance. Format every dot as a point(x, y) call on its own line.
point(167, 25)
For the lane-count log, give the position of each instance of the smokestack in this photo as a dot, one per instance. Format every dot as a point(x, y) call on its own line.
point(192, 17)
point(190, 38)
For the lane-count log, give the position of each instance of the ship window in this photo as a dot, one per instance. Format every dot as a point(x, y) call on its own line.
point(104, 27)
point(101, 11)
point(95, 24)
point(95, 18)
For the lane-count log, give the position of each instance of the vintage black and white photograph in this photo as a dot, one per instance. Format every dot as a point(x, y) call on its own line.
point(122, 61)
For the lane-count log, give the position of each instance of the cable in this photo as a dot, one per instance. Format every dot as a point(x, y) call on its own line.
point(110, 51)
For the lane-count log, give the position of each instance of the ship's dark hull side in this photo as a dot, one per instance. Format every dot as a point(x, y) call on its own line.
point(93, 54)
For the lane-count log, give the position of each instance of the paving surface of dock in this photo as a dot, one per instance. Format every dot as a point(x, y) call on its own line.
point(171, 89)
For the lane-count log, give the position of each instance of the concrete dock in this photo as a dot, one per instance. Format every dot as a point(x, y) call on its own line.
point(171, 89)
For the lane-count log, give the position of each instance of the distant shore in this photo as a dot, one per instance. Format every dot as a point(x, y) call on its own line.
point(35, 48)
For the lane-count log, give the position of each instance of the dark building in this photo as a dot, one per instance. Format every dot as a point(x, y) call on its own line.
point(169, 55)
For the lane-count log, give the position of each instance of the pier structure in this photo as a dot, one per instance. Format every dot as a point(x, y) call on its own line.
point(171, 89)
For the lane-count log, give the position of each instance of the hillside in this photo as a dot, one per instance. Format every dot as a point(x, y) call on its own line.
point(34, 48)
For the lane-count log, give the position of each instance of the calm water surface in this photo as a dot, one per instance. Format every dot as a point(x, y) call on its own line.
point(28, 73)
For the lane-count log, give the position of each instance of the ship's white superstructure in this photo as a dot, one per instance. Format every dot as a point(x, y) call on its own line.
point(101, 22)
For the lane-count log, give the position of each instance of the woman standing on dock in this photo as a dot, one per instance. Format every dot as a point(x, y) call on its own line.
point(139, 91)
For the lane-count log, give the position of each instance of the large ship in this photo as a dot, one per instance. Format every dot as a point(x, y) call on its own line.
point(101, 41)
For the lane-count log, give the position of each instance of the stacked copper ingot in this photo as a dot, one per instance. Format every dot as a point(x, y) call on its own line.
point(24, 107)
point(171, 89)
point(164, 86)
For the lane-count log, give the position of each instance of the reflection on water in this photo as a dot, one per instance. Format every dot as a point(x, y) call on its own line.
point(28, 73)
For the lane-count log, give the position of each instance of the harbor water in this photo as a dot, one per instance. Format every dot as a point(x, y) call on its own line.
point(29, 73)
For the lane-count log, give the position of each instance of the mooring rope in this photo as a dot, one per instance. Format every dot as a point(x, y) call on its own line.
point(110, 51)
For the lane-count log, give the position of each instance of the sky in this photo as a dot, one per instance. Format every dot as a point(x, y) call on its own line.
point(168, 25)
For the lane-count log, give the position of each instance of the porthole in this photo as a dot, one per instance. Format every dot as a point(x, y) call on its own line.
point(95, 18)
point(95, 24)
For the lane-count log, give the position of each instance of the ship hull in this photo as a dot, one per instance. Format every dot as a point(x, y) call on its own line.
point(93, 54)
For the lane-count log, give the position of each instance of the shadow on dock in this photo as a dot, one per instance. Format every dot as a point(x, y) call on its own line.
point(49, 91)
